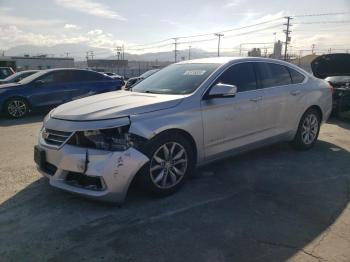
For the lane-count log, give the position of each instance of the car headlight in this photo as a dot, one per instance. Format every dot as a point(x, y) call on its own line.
point(112, 139)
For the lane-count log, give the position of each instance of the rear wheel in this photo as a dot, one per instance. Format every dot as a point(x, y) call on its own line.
point(16, 108)
point(171, 160)
point(308, 130)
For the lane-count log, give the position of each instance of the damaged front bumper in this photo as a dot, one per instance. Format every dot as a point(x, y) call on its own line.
point(98, 174)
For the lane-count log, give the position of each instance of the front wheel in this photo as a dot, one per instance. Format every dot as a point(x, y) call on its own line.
point(308, 130)
point(16, 108)
point(171, 160)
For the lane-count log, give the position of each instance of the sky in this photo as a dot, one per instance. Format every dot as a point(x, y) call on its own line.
point(110, 23)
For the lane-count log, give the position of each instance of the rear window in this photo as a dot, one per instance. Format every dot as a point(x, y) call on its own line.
point(273, 75)
point(80, 76)
point(296, 76)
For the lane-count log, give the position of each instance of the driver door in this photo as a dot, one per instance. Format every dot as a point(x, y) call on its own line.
point(232, 122)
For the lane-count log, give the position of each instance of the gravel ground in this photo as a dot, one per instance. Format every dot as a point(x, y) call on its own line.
point(272, 204)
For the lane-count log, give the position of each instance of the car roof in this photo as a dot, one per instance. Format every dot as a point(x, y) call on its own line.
point(68, 68)
point(225, 59)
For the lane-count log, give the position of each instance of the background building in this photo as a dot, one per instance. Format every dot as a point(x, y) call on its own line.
point(256, 52)
point(36, 62)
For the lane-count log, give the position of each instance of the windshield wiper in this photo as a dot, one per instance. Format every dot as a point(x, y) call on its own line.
point(153, 92)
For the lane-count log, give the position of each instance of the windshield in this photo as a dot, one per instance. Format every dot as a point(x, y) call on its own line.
point(148, 73)
point(32, 77)
point(176, 79)
point(11, 77)
point(18, 75)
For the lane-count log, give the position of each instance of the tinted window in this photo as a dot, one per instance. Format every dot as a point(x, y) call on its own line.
point(57, 77)
point(296, 76)
point(80, 75)
point(273, 75)
point(241, 75)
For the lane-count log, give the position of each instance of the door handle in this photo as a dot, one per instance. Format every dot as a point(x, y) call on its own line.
point(295, 92)
point(256, 99)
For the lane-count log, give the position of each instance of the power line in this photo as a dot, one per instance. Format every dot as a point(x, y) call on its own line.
point(322, 14)
point(324, 22)
point(233, 29)
point(207, 34)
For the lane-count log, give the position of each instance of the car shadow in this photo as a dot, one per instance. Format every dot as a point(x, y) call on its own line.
point(265, 205)
point(31, 118)
point(344, 123)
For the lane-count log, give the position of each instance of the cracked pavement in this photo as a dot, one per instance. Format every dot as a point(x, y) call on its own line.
point(271, 204)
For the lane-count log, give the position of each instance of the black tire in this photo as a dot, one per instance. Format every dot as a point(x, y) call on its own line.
point(300, 142)
point(16, 108)
point(146, 176)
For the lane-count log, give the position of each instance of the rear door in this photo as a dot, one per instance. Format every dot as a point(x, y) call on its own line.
point(91, 83)
point(275, 81)
point(232, 122)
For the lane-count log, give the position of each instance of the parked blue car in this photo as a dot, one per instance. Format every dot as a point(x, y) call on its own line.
point(49, 88)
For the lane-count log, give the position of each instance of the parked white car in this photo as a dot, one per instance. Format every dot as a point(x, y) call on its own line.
point(183, 116)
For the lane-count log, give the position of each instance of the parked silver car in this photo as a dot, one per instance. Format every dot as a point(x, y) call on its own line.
point(183, 116)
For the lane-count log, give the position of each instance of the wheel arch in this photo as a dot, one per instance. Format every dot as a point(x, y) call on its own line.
point(318, 109)
point(183, 133)
point(6, 100)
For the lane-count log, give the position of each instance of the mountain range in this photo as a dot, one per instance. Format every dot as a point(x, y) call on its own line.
point(78, 51)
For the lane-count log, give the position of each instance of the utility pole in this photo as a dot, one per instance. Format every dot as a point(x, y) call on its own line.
point(87, 55)
point(67, 54)
point(189, 52)
point(92, 55)
point(175, 49)
point(219, 37)
point(312, 49)
point(287, 32)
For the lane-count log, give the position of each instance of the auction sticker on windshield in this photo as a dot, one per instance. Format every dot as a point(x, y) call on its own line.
point(194, 72)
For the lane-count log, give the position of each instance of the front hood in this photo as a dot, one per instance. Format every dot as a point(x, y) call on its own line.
point(331, 65)
point(113, 105)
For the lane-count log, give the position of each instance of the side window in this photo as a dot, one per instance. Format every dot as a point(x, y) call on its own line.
point(48, 78)
point(81, 76)
point(57, 77)
point(241, 75)
point(296, 76)
point(273, 75)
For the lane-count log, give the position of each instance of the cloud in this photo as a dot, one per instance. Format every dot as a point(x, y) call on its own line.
point(7, 19)
point(11, 36)
point(71, 27)
point(170, 22)
point(91, 8)
point(233, 3)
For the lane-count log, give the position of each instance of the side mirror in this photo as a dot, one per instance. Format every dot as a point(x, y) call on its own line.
point(38, 83)
point(222, 90)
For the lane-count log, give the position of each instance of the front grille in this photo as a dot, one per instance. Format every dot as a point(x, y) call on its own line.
point(55, 137)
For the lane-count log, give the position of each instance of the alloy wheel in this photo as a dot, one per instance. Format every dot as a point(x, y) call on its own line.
point(309, 129)
point(168, 165)
point(17, 108)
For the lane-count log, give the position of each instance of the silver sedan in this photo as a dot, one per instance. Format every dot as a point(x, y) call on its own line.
point(185, 115)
